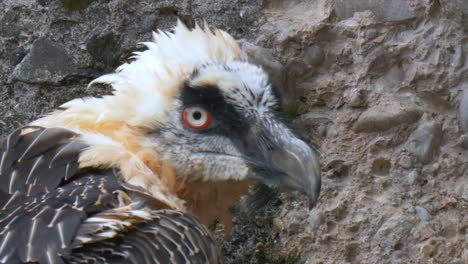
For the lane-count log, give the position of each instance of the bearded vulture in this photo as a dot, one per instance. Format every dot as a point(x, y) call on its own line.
point(134, 177)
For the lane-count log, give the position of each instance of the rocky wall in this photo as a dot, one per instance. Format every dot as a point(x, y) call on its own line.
point(380, 86)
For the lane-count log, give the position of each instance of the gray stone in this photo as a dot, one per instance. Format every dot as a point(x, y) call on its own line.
point(231, 14)
point(396, 225)
point(413, 177)
point(424, 141)
point(265, 58)
point(105, 49)
point(316, 219)
point(458, 261)
point(423, 214)
point(463, 111)
point(149, 23)
point(14, 22)
point(462, 190)
point(405, 161)
point(9, 24)
point(317, 122)
point(385, 116)
point(76, 5)
point(46, 62)
point(384, 10)
point(15, 56)
point(461, 5)
point(357, 98)
point(313, 55)
point(464, 141)
point(292, 220)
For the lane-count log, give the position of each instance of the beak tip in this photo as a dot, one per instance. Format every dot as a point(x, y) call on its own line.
point(313, 200)
point(313, 192)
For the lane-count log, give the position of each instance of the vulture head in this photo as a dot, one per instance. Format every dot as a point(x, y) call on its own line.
point(193, 123)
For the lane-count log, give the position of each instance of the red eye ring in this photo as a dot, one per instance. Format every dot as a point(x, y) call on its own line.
point(197, 118)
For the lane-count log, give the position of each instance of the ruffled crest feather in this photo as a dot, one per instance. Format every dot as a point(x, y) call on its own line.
point(115, 126)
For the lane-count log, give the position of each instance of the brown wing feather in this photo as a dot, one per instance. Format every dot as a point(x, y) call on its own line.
point(41, 228)
point(37, 161)
point(169, 237)
point(54, 213)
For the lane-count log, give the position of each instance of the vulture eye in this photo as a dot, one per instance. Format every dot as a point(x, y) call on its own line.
point(196, 117)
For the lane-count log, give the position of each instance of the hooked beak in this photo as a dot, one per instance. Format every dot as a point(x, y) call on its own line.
point(286, 161)
point(300, 167)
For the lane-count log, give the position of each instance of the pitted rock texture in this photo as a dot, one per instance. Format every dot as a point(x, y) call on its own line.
point(45, 62)
point(377, 85)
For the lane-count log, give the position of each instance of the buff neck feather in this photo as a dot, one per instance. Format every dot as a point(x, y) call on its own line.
point(115, 127)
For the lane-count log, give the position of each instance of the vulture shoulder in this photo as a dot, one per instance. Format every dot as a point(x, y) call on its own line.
point(53, 211)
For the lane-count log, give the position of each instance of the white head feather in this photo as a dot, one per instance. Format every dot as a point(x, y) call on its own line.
point(144, 87)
